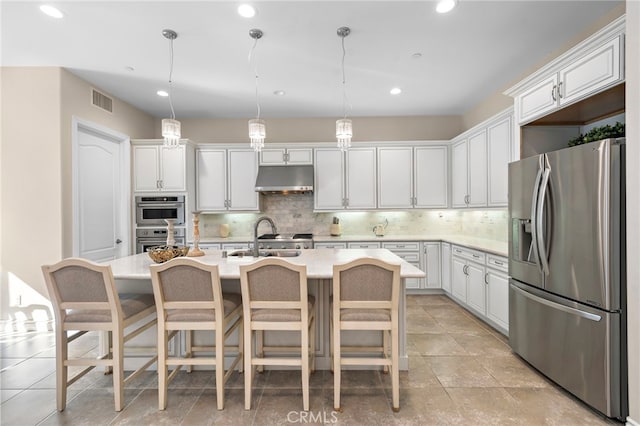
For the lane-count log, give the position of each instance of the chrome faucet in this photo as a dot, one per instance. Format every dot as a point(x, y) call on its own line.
point(274, 230)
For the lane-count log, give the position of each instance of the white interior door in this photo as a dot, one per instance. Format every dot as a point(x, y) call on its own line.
point(101, 177)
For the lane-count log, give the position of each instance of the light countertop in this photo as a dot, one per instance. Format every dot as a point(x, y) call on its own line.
point(319, 263)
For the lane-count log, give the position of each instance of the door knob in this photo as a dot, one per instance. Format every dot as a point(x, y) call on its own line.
point(118, 241)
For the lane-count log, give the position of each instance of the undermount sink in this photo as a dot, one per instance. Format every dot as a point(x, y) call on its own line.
point(266, 253)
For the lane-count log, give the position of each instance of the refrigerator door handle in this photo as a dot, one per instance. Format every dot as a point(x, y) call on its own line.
point(540, 242)
point(603, 217)
point(554, 305)
point(534, 209)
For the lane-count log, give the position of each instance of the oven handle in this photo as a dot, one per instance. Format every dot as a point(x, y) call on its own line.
point(143, 205)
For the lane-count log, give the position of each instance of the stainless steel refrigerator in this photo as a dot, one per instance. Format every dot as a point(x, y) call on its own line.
point(567, 270)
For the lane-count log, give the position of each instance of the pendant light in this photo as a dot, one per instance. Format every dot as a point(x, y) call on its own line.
point(344, 128)
point(170, 126)
point(257, 129)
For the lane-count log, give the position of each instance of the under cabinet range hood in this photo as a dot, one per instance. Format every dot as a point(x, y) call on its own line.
point(284, 179)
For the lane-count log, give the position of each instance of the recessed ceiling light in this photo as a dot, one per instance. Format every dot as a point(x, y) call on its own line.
point(445, 6)
point(51, 11)
point(395, 91)
point(162, 93)
point(279, 92)
point(417, 55)
point(246, 11)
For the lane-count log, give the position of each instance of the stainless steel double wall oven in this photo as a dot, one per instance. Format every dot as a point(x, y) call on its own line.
point(151, 214)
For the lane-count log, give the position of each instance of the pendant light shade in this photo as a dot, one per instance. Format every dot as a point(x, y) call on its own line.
point(257, 133)
point(257, 128)
point(170, 126)
point(344, 127)
point(171, 132)
point(344, 131)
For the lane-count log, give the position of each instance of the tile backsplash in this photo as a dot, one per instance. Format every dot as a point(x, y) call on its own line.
point(294, 213)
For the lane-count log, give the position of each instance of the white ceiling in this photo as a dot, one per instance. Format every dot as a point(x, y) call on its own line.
point(467, 54)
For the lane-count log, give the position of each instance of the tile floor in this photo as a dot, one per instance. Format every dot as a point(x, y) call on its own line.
point(461, 372)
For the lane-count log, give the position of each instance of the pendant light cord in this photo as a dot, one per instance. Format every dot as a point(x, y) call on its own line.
point(255, 69)
point(173, 114)
point(345, 99)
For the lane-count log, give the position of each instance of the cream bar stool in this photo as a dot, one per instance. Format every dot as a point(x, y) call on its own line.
point(84, 298)
point(274, 297)
point(366, 297)
point(189, 297)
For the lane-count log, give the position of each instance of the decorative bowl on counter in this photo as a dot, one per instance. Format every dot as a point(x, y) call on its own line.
point(161, 254)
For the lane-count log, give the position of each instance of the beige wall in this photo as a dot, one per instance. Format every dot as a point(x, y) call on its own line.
point(76, 101)
point(35, 177)
point(498, 102)
point(31, 227)
point(322, 129)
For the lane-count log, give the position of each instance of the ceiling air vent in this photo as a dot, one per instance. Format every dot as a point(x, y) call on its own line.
point(101, 100)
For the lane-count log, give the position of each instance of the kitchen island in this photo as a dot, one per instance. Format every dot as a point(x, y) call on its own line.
point(132, 275)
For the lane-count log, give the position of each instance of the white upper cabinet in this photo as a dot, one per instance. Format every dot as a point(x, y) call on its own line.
point(412, 177)
point(539, 100)
point(479, 163)
point(243, 170)
point(360, 178)
point(226, 180)
point(159, 168)
point(590, 67)
point(395, 177)
point(328, 186)
point(588, 74)
point(469, 171)
point(477, 184)
point(430, 177)
point(286, 156)
point(345, 180)
point(459, 173)
point(211, 188)
point(499, 141)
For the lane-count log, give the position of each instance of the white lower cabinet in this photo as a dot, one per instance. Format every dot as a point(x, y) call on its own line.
point(498, 291)
point(431, 263)
point(459, 279)
point(476, 288)
point(479, 281)
point(445, 267)
point(410, 252)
